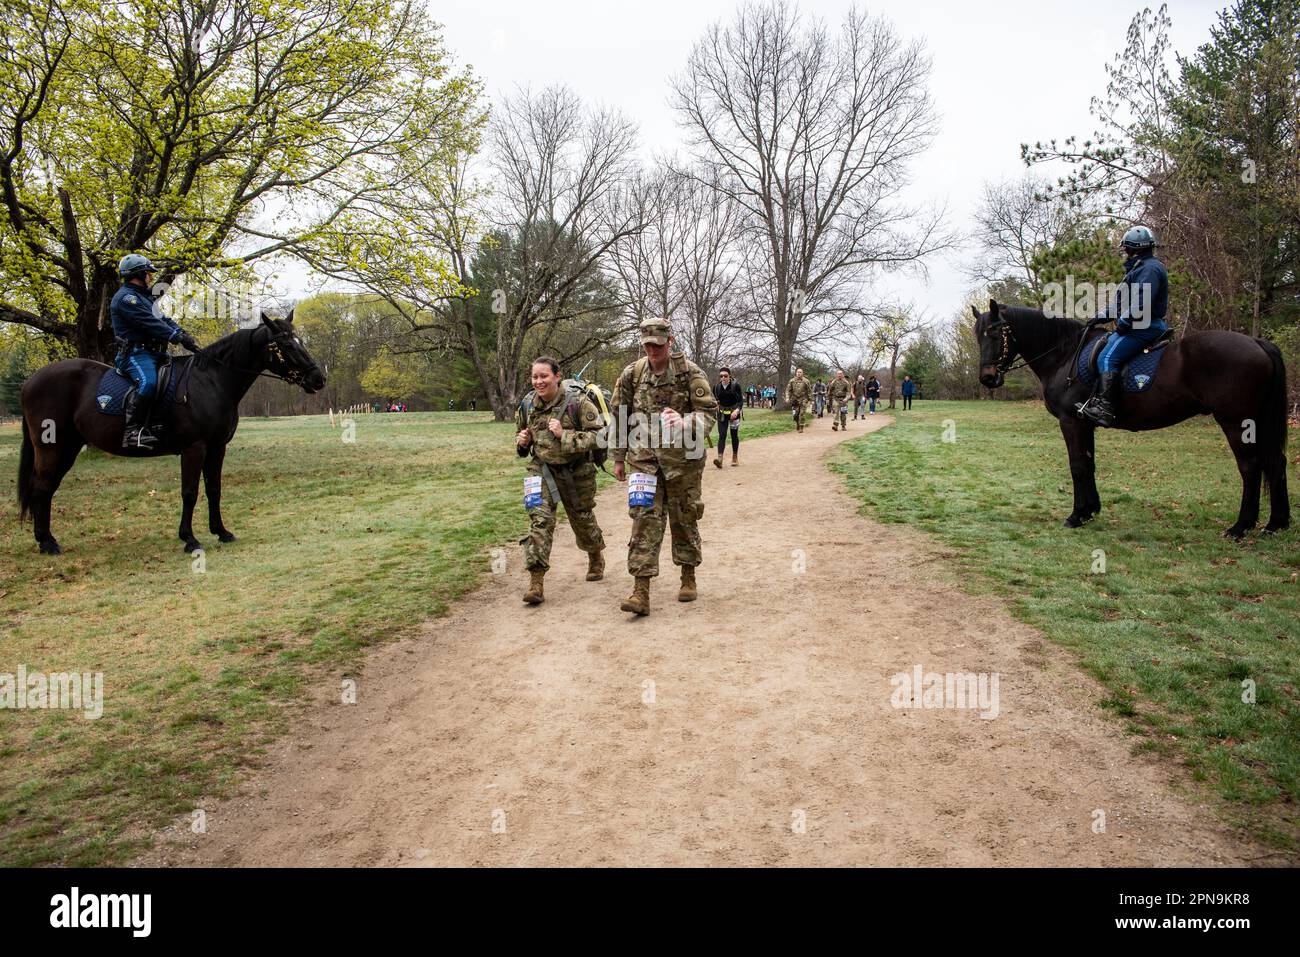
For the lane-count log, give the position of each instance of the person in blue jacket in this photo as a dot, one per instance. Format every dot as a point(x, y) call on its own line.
point(1138, 322)
point(143, 334)
point(909, 390)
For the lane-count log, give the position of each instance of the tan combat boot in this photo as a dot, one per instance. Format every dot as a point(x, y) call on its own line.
point(534, 594)
point(595, 566)
point(735, 458)
point(639, 601)
point(687, 591)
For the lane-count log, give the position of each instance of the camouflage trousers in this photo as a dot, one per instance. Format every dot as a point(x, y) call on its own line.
point(678, 502)
point(577, 493)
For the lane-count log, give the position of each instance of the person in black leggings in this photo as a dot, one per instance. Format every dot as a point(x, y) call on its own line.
point(731, 398)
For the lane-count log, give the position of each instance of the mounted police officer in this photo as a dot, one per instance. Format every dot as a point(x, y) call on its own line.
point(143, 334)
point(1139, 313)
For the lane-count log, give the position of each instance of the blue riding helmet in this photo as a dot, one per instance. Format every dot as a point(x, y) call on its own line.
point(133, 264)
point(1139, 237)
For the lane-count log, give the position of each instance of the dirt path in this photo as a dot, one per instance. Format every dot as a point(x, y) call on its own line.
point(771, 709)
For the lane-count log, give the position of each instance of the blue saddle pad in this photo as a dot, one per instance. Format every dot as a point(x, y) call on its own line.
point(110, 397)
point(1138, 375)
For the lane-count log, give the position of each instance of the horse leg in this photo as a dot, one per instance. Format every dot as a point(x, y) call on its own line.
point(212, 489)
point(1079, 443)
point(1279, 511)
point(52, 461)
point(1250, 465)
point(191, 465)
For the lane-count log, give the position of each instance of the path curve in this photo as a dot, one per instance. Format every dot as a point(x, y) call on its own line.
point(504, 735)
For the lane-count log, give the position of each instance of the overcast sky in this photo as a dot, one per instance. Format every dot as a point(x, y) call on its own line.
point(1003, 73)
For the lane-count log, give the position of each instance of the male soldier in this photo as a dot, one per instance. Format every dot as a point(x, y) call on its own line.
point(860, 397)
point(560, 431)
point(799, 393)
point(839, 392)
point(665, 409)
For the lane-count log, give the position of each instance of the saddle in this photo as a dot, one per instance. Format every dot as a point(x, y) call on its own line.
point(173, 388)
point(1137, 375)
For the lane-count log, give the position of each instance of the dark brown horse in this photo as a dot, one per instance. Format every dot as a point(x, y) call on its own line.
point(61, 415)
point(1239, 380)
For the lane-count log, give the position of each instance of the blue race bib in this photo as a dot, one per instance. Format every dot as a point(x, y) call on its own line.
point(641, 489)
point(532, 491)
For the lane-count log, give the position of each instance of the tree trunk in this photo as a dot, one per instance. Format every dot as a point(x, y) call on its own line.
point(893, 379)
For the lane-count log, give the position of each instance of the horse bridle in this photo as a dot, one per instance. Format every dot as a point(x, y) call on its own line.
point(1005, 363)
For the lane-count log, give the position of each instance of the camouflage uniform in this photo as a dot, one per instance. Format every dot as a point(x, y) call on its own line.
point(799, 393)
point(839, 392)
point(684, 388)
point(567, 471)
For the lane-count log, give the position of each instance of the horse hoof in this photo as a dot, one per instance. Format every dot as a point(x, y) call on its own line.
point(193, 546)
point(226, 537)
point(1074, 521)
point(51, 547)
point(1235, 533)
point(1274, 529)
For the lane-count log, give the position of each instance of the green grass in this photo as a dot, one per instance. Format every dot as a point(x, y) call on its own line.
point(1180, 618)
point(340, 546)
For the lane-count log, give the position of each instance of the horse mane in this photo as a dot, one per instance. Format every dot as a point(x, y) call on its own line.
point(1036, 332)
point(234, 349)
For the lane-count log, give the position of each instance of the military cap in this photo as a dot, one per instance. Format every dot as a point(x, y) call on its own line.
point(655, 330)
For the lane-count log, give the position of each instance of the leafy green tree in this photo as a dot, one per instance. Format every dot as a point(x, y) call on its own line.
point(209, 134)
point(924, 363)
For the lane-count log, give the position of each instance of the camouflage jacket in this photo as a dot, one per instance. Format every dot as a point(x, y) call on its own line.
point(799, 390)
point(683, 387)
point(839, 390)
point(580, 420)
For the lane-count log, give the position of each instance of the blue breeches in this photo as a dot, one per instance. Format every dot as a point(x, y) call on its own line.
point(1120, 349)
point(141, 368)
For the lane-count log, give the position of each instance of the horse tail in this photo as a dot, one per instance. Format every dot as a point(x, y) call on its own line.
point(1274, 425)
point(26, 464)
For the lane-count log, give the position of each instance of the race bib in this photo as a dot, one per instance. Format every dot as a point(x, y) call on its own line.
point(532, 491)
point(641, 489)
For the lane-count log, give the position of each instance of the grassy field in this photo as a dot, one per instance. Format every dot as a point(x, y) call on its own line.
point(341, 545)
point(1180, 618)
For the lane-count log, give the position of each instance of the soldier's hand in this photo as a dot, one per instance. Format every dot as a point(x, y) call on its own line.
point(555, 428)
point(620, 471)
point(670, 418)
point(523, 438)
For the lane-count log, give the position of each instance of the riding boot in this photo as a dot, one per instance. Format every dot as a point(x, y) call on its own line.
point(687, 591)
point(595, 566)
point(639, 601)
point(534, 595)
point(1104, 406)
point(136, 434)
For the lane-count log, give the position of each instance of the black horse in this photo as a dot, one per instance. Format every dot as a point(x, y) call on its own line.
point(1239, 380)
point(60, 415)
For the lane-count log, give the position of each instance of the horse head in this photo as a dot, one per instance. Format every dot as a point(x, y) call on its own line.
point(288, 358)
point(997, 346)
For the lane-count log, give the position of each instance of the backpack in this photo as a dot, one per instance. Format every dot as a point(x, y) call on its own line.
point(575, 390)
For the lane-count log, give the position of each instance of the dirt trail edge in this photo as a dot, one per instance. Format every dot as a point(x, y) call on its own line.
point(753, 726)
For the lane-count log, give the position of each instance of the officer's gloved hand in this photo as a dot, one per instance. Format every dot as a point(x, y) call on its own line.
point(187, 341)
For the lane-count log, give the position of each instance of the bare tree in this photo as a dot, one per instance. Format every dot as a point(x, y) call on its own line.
point(891, 337)
point(1014, 222)
point(503, 274)
point(811, 133)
